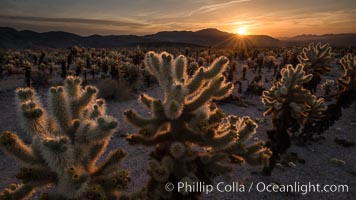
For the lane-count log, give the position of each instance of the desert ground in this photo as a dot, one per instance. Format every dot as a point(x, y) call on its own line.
point(311, 162)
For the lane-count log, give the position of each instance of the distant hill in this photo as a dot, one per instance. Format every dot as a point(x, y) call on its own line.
point(340, 40)
point(11, 38)
point(214, 38)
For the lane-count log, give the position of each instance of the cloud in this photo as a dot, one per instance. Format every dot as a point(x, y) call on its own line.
point(101, 22)
point(213, 7)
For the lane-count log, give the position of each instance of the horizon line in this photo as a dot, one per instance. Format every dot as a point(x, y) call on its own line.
point(96, 34)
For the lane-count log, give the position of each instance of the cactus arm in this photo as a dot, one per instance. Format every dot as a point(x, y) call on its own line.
point(82, 101)
point(196, 81)
point(96, 132)
point(95, 152)
point(205, 95)
point(146, 100)
point(36, 176)
point(33, 118)
point(181, 71)
point(139, 139)
point(112, 161)
point(60, 108)
point(19, 192)
point(138, 120)
point(216, 67)
point(14, 146)
point(72, 87)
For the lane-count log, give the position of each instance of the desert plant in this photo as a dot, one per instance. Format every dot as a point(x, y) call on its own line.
point(229, 72)
point(256, 86)
point(260, 61)
point(26, 65)
point(292, 56)
point(291, 107)
point(329, 87)
point(66, 146)
point(9, 68)
point(316, 60)
point(40, 60)
point(114, 90)
point(347, 81)
point(193, 139)
point(244, 70)
point(192, 67)
point(344, 97)
point(2, 61)
point(130, 73)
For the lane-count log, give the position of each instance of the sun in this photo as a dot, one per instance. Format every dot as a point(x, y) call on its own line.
point(241, 30)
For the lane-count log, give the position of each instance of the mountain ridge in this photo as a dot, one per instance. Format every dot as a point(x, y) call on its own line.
point(209, 37)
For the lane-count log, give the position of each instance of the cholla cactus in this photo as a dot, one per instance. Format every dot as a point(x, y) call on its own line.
point(9, 68)
point(329, 88)
point(66, 145)
point(291, 107)
point(193, 139)
point(348, 80)
point(80, 65)
point(192, 67)
point(26, 65)
point(130, 73)
point(316, 60)
point(345, 96)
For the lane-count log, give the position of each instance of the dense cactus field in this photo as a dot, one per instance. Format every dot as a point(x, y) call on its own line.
point(86, 123)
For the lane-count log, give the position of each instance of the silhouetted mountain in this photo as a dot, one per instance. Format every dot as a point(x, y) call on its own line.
point(340, 40)
point(11, 38)
point(215, 38)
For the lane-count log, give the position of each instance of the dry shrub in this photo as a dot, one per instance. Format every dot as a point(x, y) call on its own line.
point(114, 90)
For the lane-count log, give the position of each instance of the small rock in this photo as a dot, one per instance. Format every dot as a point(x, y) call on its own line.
point(279, 165)
point(337, 161)
point(291, 164)
point(344, 142)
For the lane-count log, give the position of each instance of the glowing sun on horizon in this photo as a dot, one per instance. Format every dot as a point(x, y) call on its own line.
point(241, 30)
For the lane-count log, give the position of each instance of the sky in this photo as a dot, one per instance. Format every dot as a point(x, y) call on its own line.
point(277, 18)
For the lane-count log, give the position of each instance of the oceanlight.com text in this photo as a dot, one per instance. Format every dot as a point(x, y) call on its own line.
point(295, 187)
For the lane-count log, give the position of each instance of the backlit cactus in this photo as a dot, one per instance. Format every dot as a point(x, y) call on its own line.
point(193, 139)
point(26, 65)
point(291, 107)
point(344, 92)
point(329, 88)
point(66, 144)
point(348, 80)
point(316, 60)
